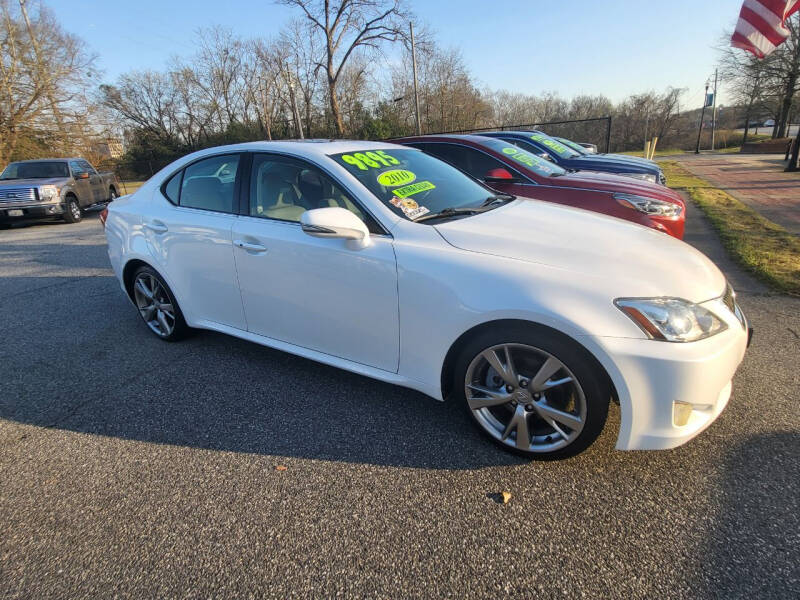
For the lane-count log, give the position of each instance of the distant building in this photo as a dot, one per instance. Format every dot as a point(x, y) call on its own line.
point(110, 148)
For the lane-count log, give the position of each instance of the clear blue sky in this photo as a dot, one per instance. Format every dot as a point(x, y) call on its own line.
point(611, 47)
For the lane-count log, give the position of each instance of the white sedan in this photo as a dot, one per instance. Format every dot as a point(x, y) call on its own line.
point(387, 262)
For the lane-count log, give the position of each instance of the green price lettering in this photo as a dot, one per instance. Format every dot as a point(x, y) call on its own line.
point(364, 161)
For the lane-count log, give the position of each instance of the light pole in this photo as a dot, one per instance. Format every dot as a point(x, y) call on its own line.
point(702, 116)
point(414, 64)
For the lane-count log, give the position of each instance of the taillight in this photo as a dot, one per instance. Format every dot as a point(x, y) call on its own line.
point(104, 216)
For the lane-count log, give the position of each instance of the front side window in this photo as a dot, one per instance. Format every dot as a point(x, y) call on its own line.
point(412, 183)
point(35, 170)
point(283, 188)
point(208, 184)
point(86, 167)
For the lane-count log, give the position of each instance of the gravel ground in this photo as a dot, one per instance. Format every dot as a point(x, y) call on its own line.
point(134, 468)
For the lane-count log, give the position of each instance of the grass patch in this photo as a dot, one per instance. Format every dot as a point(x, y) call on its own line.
point(765, 249)
point(128, 187)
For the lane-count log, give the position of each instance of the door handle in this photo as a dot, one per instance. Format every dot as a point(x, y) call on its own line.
point(156, 227)
point(258, 248)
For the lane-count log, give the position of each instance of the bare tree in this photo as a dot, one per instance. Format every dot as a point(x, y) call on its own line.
point(43, 71)
point(346, 26)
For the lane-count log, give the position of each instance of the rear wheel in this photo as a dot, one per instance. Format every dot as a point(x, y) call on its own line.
point(157, 305)
point(112, 195)
point(533, 391)
point(72, 210)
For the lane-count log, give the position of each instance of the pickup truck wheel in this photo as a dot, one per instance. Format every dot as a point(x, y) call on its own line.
point(112, 195)
point(72, 210)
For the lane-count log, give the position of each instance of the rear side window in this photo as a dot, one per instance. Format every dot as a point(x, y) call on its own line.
point(173, 187)
point(208, 184)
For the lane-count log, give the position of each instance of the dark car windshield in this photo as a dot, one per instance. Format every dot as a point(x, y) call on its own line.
point(413, 183)
point(35, 170)
point(535, 163)
point(553, 145)
point(574, 145)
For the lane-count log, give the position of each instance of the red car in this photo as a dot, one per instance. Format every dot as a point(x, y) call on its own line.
point(513, 170)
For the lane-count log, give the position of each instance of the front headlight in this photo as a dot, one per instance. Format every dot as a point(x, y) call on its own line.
point(643, 176)
point(671, 319)
point(48, 193)
point(649, 206)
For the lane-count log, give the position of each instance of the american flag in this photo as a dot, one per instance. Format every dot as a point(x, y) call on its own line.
point(762, 25)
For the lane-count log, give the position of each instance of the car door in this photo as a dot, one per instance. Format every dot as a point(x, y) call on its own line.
point(189, 235)
point(322, 294)
point(98, 191)
point(81, 184)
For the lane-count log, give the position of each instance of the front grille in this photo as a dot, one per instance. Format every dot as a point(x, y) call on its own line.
point(662, 179)
point(18, 194)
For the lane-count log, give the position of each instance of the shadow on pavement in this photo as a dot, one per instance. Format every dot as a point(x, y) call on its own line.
point(749, 550)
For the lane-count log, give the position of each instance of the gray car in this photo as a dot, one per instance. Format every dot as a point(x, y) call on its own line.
point(53, 187)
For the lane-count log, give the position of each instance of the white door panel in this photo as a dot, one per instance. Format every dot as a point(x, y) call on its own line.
point(195, 249)
point(322, 294)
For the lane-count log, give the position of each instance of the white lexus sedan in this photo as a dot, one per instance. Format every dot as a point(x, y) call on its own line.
point(390, 263)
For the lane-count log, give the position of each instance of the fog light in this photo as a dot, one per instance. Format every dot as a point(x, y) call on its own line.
point(681, 411)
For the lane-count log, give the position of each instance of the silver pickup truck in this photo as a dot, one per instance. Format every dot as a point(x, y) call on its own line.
point(53, 187)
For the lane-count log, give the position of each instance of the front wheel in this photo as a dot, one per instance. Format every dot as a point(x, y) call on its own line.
point(72, 212)
point(533, 391)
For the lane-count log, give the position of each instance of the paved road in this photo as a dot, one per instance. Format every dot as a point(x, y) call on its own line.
point(134, 468)
point(758, 180)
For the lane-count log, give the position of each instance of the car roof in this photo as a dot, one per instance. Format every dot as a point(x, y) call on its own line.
point(35, 160)
point(468, 137)
point(315, 147)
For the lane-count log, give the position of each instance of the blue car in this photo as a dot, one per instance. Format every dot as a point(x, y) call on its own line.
point(568, 158)
point(581, 150)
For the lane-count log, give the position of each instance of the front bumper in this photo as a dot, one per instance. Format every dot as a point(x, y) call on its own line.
point(12, 212)
point(651, 377)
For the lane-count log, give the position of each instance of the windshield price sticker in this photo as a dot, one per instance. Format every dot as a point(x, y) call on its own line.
point(396, 177)
point(552, 144)
point(519, 156)
point(409, 207)
point(370, 160)
point(414, 188)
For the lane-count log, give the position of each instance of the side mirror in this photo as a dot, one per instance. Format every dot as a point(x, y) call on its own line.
point(499, 176)
point(334, 222)
point(83, 175)
point(546, 156)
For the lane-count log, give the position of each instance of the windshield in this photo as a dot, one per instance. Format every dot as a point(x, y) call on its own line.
point(35, 170)
point(574, 145)
point(535, 163)
point(553, 145)
point(413, 183)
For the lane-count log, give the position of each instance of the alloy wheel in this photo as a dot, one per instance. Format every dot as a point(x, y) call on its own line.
point(154, 304)
point(525, 397)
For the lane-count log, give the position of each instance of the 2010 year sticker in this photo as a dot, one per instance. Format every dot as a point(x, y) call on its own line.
point(396, 177)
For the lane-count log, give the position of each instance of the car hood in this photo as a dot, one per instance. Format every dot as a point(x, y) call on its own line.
point(636, 159)
point(604, 161)
point(628, 259)
point(618, 183)
point(33, 182)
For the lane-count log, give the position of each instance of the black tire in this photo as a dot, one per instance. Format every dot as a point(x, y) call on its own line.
point(179, 327)
point(591, 380)
point(72, 210)
point(112, 195)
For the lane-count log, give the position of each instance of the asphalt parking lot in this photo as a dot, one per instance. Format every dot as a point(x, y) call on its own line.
point(134, 468)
